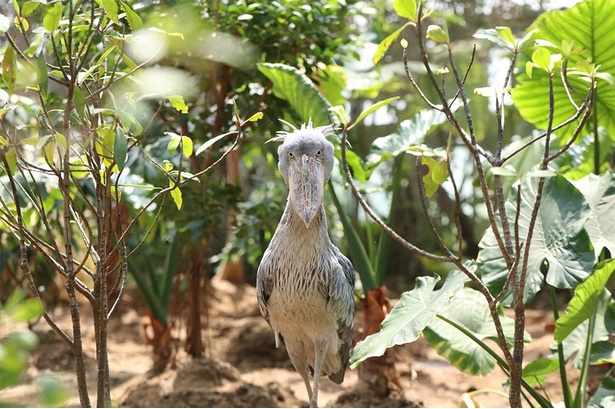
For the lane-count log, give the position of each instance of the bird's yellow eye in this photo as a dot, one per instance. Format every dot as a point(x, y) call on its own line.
point(319, 152)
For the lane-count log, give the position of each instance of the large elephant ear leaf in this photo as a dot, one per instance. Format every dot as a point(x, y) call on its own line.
point(588, 25)
point(292, 85)
point(560, 245)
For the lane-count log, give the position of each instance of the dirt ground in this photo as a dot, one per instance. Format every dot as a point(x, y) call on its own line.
point(242, 368)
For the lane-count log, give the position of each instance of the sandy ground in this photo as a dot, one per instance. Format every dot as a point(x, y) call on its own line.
point(241, 367)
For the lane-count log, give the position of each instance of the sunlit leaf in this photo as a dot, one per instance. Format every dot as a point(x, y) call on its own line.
point(372, 109)
point(585, 300)
point(111, 8)
point(405, 8)
point(187, 146)
point(211, 141)
point(5, 24)
point(536, 371)
point(51, 21)
point(437, 34)
point(415, 310)
point(436, 175)
point(176, 194)
point(177, 102)
point(134, 21)
point(386, 43)
point(256, 117)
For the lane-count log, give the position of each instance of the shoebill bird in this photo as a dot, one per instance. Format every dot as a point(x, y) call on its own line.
point(304, 283)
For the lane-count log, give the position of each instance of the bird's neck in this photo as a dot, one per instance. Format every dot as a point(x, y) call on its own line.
point(293, 223)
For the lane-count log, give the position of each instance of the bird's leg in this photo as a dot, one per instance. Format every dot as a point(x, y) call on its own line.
point(306, 378)
point(320, 350)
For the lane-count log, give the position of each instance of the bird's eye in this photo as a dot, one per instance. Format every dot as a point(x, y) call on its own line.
point(291, 155)
point(319, 152)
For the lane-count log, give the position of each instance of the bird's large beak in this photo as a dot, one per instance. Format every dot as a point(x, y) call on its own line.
point(306, 183)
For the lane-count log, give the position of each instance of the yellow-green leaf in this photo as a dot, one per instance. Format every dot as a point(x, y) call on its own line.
point(176, 194)
point(42, 76)
point(257, 116)
point(9, 68)
point(51, 21)
point(542, 58)
point(111, 8)
point(386, 43)
point(437, 174)
point(11, 159)
point(187, 146)
point(177, 102)
point(437, 33)
point(405, 8)
point(134, 21)
point(120, 148)
point(174, 142)
point(371, 109)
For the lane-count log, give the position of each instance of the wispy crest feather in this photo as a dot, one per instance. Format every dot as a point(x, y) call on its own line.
point(326, 130)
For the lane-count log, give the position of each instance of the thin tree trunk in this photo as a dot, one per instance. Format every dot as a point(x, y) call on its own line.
point(194, 343)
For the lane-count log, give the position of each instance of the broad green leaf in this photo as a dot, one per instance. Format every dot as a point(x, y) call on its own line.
point(411, 132)
point(575, 343)
point(604, 397)
point(211, 141)
point(495, 37)
point(120, 148)
point(293, 86)
point(5, 24)
point(436, 175)
point(51, 21)
point(437, 34)
point(535, 372)
point(386, 43)
point(560, 244)
point(405, 8)
point(134, 21)
point(588, 24)
point(340, 113)
point(585, 300)
point(415, 310)
point(9, 68)
point(599, 191)
point(506, 34)
point(29, 7)
point(187, 146)
point(177, 102)
point(176, 194)
point(469, 309)
point(372, 109)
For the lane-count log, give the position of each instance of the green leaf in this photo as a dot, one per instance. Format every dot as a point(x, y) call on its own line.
point(411, 133)
point(187, 146)
point(542, 59)
point(176, 194)
point(120, 148)
point(437, 34)
point(386, 43)
point(211, 141)
point(575, 343)
point(52, 19)
point(372, 109)
point(506, 34)
point(436, 175)
point(256, 117)
point(11, 159)
point(470, 310)
point(406, 9)
point(29, 7)
point(585, 300)
point(177, 102)
point(28, 310)
point(535, 372)
point(293, 86)
point(134, 21)
point(560, 245)
point(415, 310)
point(23, 339)
point(495, 37)
point(111, 8)
point(42, 76)
point(5, 24)
point(588, 24)
point(9, 68)
point(599, 191)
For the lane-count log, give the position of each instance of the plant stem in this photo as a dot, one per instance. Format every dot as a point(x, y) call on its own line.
point(560, 355)
point(579, 399)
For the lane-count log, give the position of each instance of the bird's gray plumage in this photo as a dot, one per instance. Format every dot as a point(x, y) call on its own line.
point(304, 283)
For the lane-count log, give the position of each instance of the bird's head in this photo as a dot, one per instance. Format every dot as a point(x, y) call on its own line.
point(306, 161)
